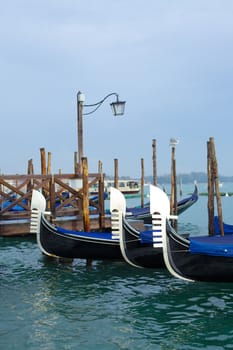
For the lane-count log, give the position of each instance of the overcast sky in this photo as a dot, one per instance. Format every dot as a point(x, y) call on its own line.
point(170, 60)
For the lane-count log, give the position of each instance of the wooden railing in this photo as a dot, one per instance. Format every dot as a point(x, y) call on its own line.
point(65, 195)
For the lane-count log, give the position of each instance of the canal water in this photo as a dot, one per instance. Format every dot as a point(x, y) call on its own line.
point(46, 304)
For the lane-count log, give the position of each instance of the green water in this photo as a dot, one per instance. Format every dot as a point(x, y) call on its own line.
point(46, 304)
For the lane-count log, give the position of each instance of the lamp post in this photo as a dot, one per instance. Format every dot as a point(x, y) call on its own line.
point(118, 108)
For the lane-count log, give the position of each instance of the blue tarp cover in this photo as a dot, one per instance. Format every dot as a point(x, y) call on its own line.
point(212, 245)
point(147, 236)
point(227, 228)
point(93, 235)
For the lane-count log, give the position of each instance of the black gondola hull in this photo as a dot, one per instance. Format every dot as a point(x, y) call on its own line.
point(194, 266)
point(74, 246)
point(137, 253)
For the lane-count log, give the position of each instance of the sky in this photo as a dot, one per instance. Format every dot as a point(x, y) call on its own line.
point(170, 60)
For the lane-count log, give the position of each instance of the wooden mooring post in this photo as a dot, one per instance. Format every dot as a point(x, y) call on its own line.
point(154, 157)
point(210, 203)
point(173, 199)
point(213, 187)
point(116, 176)
point(142, 182)
point(30, 172)
point(43, 161)
point(85, 203)
point(101, 196)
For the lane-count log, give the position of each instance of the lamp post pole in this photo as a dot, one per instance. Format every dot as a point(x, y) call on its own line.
point(117, 110)
point(80, 101)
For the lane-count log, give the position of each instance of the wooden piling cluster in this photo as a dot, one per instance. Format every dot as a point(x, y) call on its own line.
point(213, 188)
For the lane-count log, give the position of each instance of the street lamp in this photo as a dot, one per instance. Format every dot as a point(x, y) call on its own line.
point(118, 108)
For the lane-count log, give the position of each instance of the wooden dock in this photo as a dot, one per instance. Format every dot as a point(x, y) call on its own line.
point(67, 199)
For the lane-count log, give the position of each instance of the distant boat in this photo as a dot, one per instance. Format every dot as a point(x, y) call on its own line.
point(140, 213)
point(181, 187)
point(125, 186)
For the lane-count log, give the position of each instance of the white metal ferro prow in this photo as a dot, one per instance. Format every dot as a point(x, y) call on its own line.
point(160, 210)
point(38, 201)
point(117, 201)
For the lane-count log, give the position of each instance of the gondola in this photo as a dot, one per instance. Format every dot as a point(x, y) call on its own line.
point(201, 258)
point(62, 243)
point(139, 213)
